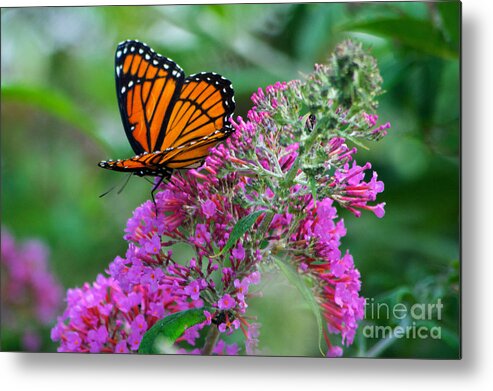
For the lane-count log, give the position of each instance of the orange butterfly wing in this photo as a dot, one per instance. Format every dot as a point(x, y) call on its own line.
point(171, 122)
point(199, 120)
point(146, 85)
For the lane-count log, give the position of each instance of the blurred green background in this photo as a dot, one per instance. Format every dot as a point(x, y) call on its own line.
point(59, 117)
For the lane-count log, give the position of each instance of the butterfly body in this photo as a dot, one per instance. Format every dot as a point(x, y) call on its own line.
point(170, 120)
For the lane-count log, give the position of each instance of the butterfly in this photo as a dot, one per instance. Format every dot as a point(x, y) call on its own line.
point(170, 120)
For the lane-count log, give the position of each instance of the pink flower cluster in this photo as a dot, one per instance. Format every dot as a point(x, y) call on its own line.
point(31, 295)
point(379, 131)
point(315, 242)
point(148, 283)
point(337, 280)
point(104, 317)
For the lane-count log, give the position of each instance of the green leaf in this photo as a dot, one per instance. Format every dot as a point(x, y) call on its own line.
point(263, 244)
point(297, 280)
point(450, 14)
point(242, 226)
point(417, 34)
point(168, 329)
point(57, 104)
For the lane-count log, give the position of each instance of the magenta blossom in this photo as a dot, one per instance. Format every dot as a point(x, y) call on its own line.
point(226, 302)
point(31, 295)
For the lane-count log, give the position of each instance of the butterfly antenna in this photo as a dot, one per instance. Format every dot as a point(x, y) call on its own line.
point(125, 184)
point(107, 192)
point(113, 188)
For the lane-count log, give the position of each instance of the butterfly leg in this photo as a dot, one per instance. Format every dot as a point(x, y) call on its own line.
point(166, 175)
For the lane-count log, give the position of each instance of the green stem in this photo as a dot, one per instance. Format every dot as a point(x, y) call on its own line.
point(308, 143)
point(264, 225)
point(210, 340)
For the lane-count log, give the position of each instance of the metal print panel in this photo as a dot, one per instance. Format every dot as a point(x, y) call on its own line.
point(273, 180)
